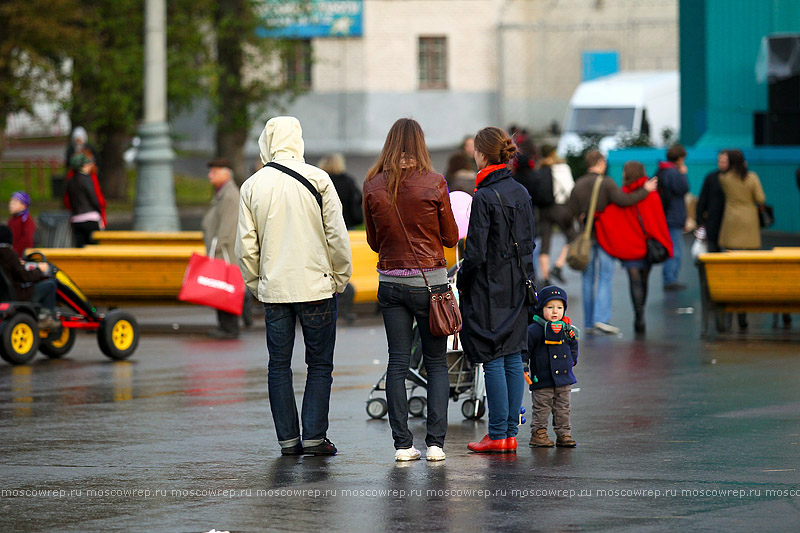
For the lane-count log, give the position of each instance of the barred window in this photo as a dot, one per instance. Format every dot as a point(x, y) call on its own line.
point(297, 64)
point(432, 62)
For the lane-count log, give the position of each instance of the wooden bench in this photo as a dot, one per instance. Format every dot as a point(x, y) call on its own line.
point(147, 267)
point(113, 275)
point(758, 281)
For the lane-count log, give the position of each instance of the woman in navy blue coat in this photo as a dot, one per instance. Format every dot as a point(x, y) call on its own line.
point(492, 284)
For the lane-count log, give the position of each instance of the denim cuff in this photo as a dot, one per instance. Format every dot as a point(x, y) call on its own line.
point(310, 443)
point(289, 443)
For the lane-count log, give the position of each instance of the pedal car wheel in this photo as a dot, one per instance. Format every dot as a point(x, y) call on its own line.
point(377, 408)
point(57, 344)
point(416, 406)
point(118, 335)
point(468, 409)
point(19, 339)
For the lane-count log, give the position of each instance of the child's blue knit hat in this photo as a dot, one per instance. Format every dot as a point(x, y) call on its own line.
point(551, 292)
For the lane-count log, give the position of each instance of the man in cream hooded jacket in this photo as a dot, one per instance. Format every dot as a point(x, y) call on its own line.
point(294, 259)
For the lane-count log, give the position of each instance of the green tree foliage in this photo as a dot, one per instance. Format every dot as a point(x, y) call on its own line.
point(108, 71)
point(248, 79)
point(36, 37)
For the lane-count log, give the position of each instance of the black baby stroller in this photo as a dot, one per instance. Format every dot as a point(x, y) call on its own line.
point(466, 379)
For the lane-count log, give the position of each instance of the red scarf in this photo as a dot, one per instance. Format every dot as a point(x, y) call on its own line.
point(486, 171)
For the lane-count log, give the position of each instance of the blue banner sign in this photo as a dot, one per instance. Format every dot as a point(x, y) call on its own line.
point(305, 19)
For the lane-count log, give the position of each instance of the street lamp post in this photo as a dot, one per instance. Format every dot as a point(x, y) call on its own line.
point(155, 191)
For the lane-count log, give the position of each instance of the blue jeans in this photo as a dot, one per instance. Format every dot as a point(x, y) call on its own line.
point(673, 265)
point(318, 322)
point(597, 293)
point(44, 293)
point(400, 305)
point(505, 387)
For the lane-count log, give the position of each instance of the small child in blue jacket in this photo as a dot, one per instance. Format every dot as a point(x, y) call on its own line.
point(552, 352)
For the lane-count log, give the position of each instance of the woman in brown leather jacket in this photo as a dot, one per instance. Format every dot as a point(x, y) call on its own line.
point(401, 190)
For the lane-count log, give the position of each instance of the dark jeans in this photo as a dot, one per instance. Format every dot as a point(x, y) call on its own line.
point(400, 305)
point(228, 322)
point(318, 322)
point(44, 293)
point(505, 387)
point(82, 232)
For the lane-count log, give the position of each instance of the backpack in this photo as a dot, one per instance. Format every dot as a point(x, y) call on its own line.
point(543, 188)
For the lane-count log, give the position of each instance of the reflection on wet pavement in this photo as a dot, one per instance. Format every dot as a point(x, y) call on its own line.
point(180, 438)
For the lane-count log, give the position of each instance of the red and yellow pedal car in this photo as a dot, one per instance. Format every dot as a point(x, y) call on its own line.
point(20, 336)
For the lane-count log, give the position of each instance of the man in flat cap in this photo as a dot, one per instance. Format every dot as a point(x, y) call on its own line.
point(219, 232)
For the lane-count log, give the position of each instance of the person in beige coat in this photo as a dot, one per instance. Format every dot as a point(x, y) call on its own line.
point(743, 195)
point(294, 253)
point(740, 229)
point(219, 232)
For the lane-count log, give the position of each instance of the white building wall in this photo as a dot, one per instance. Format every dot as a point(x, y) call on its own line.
point(362, 85)
point(509, 61)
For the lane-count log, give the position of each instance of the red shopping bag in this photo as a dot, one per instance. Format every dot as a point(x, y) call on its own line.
point(213, 282)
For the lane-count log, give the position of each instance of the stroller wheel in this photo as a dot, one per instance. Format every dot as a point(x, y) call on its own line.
point(468, 409)
point(377, 408)
point(416, 406)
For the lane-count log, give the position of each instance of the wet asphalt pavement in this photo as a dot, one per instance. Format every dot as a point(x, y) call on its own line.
point(673, 433)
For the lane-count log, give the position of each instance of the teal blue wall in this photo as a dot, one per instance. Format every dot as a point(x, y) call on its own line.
point(719, 45)
point(775, 167)
point(692, 54)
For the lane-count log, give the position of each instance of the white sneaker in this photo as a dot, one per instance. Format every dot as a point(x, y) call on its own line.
point(407, 454)
point(606, 328)
point(435, 453)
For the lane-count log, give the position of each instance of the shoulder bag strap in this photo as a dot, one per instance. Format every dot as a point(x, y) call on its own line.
point(508, 223)
point(307, 184)
point(587, 230)
point(299, 177)
point(408, 240)
point(528, 281)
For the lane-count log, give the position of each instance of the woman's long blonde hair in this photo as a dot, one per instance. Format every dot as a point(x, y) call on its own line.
point(403, 152)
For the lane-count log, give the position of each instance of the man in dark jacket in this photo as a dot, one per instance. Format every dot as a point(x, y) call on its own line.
point(597, 297)
point(673, 185)
point(711, 204)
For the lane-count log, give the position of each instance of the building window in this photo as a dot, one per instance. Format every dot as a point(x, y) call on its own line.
point(432, 62)
point(297, 64)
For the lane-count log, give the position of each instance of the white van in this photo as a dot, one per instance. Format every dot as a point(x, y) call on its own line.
point(620, 105)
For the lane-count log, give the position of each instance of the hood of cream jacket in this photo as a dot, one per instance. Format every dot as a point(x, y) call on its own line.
point(288, 251)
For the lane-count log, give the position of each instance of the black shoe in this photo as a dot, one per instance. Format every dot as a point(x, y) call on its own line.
point(555, 272)
point(222, 334)
point(326, 447)
point(674, 287)
point(297, 449)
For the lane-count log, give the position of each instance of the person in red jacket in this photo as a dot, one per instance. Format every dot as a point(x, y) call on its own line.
point(21, 222)
point(623, 234)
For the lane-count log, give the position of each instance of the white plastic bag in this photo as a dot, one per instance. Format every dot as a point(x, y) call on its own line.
point(699, 247)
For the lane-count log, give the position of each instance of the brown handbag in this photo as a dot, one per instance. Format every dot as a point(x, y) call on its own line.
point(444, 316)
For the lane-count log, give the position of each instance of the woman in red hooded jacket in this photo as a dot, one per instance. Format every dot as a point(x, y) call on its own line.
point(623, 233)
